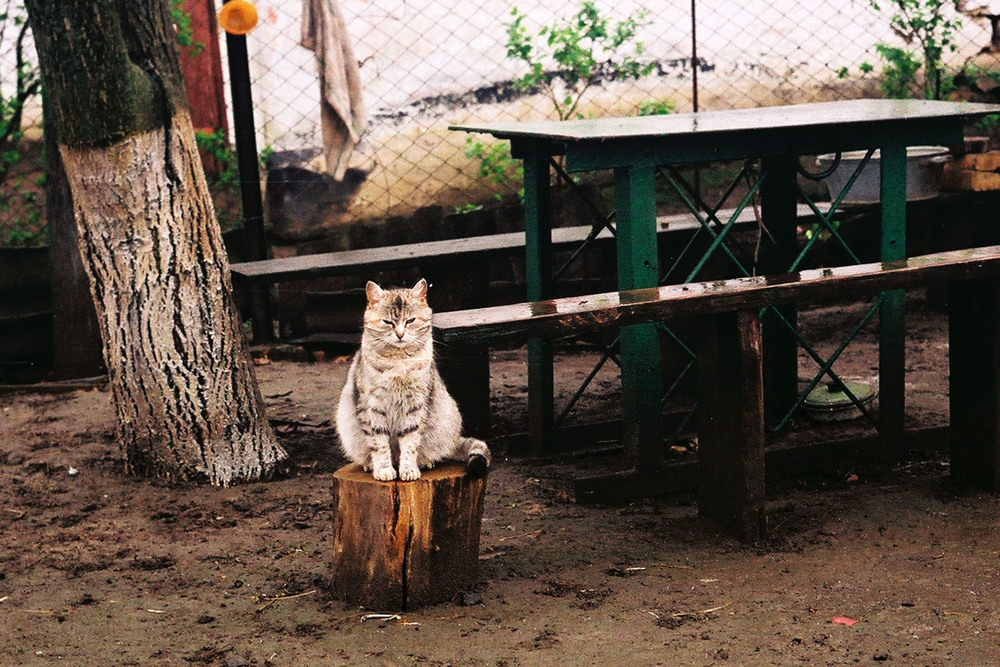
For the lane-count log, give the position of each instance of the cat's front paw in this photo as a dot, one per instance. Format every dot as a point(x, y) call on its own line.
point(408, 473)
point(384, 473)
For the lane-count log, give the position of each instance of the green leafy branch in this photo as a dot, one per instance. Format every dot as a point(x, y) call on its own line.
point(185, 33)
point(216, 144)
point(932, 27)
point(495, 164)
point(27, 83)
point(566, 58)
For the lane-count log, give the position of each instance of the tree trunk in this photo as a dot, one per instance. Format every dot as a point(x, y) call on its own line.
point(76, 336)
point(182, 382)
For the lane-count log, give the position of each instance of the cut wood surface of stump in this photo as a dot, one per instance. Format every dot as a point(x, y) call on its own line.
point(401, 545)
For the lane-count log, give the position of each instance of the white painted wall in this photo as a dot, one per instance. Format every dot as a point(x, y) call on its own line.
point(412, 50)
point(758, 52)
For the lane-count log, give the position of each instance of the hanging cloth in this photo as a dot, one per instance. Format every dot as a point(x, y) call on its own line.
point(342, 112)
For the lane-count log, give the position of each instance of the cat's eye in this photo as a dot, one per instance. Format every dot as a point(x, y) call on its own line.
point(389, 322)
point(411, 320)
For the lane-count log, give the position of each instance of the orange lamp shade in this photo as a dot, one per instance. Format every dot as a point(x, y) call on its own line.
point(238, 17)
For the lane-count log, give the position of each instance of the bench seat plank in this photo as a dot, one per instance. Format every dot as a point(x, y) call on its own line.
point(519, 322)
point(353, 262)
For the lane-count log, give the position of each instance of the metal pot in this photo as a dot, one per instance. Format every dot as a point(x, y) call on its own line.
point(830, 403)
point(924, 165)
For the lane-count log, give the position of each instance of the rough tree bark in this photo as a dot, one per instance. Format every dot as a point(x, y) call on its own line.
point(183, 385)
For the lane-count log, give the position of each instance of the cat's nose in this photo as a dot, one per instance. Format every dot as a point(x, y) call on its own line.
point(400, 332)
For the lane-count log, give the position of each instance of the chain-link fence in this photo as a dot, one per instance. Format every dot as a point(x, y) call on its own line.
point(426, 65)
point(430, 64)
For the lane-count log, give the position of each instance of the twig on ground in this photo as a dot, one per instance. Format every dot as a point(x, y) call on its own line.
point(699, 614)
point(278, 598)
point(381, 617)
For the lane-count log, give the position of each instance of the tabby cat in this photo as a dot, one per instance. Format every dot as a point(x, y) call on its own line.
point(395, 415)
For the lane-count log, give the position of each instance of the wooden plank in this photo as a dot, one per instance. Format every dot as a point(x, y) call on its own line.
point(731, 424)
point(974, 382)
point(816, 117)
point(803, 129)
point(511, 244)
point(518, 322)
point(320, 265)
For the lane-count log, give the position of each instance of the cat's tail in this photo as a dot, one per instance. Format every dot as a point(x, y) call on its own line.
point(477, 456)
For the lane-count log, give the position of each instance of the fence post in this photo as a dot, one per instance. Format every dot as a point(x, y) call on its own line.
point(247, 161)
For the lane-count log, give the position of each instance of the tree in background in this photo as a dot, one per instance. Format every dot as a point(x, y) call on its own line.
point(566, 58)
point(930, 25)
point(183, 385)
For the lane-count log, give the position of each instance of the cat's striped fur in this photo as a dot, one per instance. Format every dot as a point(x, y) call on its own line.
point(395, 415)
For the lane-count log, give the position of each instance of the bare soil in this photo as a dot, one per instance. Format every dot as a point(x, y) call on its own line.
point(864, 564)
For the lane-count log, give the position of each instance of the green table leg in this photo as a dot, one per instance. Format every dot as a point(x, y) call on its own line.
point(642, 384)
point(538, 270)
point(892, 317)
point(779, 196)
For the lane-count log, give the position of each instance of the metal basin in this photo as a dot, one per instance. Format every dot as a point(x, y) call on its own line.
point(830, 403)
point(923, 174)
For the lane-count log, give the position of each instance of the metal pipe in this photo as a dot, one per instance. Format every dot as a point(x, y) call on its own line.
point(694, 56)
point(247, 161)
point(246, 146)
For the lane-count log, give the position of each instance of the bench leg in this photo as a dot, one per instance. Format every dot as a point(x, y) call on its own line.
point(642, 389)
point(541, 392)
point(261, 313)
point(731, 424)
point(974, 382)
point(465, 370)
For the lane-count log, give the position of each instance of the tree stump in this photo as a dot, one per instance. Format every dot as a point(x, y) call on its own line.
point(400, 545)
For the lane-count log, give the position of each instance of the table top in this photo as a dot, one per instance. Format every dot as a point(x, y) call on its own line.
point(797, 116)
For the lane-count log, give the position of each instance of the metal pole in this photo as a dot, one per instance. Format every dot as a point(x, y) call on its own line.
point(694, 56)
point(247, 161)
point(694, 82)
point(246, 146)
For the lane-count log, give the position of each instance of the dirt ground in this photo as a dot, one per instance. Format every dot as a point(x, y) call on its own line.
point(863, 565)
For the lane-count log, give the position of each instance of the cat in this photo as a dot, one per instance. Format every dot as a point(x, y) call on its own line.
point(395, 415)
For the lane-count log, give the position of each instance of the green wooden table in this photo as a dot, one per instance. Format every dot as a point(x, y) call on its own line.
point(636, 148)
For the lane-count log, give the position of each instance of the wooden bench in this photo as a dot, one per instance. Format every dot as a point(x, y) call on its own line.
point(730, 388)
point(460, 266)
point(462, 263)
point(430, 253)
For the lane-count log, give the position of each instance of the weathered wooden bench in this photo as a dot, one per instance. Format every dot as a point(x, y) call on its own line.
point(468, 257)
point(429, 253)
point(730, 418)
point(461, 266)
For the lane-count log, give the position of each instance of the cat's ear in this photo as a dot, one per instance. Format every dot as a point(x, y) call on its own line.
point(374, 292)
point(419, 291)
